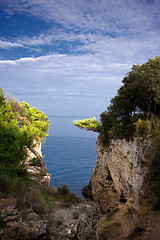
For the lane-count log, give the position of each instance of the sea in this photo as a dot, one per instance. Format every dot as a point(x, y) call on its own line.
point(69, 153)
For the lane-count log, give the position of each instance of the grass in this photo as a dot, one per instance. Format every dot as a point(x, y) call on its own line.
point(135, 232)
point(29, 195)
point(108, 230)
point(111, 213)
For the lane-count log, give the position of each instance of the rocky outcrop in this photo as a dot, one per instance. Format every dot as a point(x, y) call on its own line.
point(37, 173)
point(78, 222)
point(37, 148)
point(119, 172)
point(22, 218)
point(14, 226)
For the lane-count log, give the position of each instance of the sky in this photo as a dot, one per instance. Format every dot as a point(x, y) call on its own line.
point(68, 57)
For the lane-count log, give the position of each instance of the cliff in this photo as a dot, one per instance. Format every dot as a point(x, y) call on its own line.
point(43, 212)
point(119, 186)
point(38, 173)
point(119, 172)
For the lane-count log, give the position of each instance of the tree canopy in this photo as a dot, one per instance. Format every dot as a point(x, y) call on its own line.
point(89, 124)
point(140, 92)
point(137, 98)
point(19, 126)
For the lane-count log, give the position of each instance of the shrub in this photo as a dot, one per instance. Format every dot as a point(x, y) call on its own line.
point(135, 232)
point(90, 124)
point(67, 198)
point(153, 177)
point(19, 125)
point(34, 162)
point(63, 191)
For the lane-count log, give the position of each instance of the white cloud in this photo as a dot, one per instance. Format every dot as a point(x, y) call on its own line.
point(42, 39)
point(78, 20)
point(60, 76)
point(104, 39)
point(104, 15)
point(7, 45)
point(11, 62)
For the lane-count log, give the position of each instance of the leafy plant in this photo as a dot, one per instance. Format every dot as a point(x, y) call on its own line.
point(34, 162)
point(90, 124)
point(136, 104)
point(19, 126)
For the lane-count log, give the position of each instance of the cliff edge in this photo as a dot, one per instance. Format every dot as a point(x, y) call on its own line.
point(118, 186)
point(119, 172)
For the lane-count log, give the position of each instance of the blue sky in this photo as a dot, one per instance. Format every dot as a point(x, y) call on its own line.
point(69, 57)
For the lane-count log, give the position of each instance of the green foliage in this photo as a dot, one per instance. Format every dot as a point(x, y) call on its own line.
point(34, 162)
point(138, 98)
point(19, 126)
point(67, 198)
point(90, 124)
point(140, 91)
point(12, 144)
point(64, 190)
point(38, 120)
point(136, 104)
point(153, 177)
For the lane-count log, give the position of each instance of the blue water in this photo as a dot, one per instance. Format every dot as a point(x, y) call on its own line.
point(70, 153)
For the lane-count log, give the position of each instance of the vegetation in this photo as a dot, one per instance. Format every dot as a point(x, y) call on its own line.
point(136, 107)
point(135, 112)
point(19, 126)
point(108, 229)
point(153, 176)
point(134, 233)
point(90, 124)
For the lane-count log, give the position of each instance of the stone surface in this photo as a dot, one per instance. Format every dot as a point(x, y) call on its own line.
point(119, 172)
point(37, 147)
point(78, 222)
point(35, 172)
point(37, 176)
point(13, 226)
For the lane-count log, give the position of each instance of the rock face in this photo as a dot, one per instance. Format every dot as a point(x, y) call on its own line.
point(37, 148)
point(119, 172)
point(24, 221)
point(37, 174)
point(78, 222)
point(13, 225)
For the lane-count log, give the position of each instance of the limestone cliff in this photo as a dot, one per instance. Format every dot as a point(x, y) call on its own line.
point(44, 212)
point(119, 172)
point(37, 173)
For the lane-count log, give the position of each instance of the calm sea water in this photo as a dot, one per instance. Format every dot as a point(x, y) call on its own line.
point(70, 153)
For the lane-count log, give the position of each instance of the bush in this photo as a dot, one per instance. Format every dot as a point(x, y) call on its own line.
point(34, 162)
point(90, 124)
point(63, 191)
point(19, 126)
point(153, 177)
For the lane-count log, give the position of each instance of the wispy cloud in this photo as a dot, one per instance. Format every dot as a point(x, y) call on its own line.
point(60, 75)
point(87, 21)
point(84, 52)
point(8, 45)
point(84, 14)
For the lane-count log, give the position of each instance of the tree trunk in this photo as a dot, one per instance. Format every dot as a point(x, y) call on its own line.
point(43, 168)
